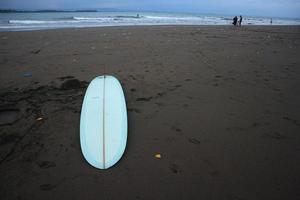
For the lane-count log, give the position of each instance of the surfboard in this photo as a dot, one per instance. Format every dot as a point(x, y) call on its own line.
point(103, 122)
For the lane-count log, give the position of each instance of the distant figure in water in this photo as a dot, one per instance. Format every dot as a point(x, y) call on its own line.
point(137, 16)
point(235, 20)
point(240, 20)
point(271, 22)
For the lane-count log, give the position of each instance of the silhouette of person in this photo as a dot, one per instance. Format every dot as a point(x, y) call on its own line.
point(240, 20)
point(271, 22)
point(234, 20)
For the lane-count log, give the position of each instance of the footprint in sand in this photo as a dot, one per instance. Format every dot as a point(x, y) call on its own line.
point(275, 135)
point(185, 105)
point(175, 169)
point(144, 99)
point(47, 186)
point(292, 120)
point(46, 164)
point(174, 128)
point(194, 141)
point(175, 87)
point(132, 77)
point(160, 94)
point(36, 51)
point(8, 115)
point(211, 169)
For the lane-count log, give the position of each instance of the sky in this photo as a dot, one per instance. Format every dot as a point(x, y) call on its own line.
point(279, 8)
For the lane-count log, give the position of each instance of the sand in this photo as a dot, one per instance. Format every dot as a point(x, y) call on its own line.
point(220, 104)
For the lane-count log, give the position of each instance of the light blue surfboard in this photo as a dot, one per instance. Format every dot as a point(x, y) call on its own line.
point(103, 122)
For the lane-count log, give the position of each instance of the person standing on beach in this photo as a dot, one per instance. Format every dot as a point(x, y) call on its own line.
point(235, 20)
point(240, 20)
point(271, 22)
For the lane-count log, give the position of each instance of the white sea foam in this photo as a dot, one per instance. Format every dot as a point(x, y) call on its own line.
point(29, 21)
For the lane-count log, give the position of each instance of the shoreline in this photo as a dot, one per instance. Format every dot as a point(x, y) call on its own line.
point(143, 26)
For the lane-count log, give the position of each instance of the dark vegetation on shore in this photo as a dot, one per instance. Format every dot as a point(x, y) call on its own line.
point(42, 11)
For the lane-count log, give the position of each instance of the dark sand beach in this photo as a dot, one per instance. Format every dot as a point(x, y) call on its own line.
point(220, 104)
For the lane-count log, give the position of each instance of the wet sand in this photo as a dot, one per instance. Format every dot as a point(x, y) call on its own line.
point(220, 104)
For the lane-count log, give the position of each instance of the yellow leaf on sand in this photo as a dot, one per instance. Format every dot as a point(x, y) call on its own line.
point(158, 156)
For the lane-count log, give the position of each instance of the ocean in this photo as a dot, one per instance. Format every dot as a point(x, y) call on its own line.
point(54, 20)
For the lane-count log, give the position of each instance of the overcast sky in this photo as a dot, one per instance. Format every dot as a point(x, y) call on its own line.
point(283, 8)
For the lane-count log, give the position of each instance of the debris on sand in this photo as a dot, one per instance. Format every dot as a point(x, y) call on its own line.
point(39, 119)
point(158, 156)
